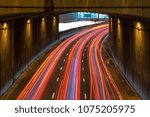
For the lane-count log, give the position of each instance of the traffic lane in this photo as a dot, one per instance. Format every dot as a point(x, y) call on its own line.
point(44, 72)
point(70, 86)
point(54, 82)
point(102, 83)
point(35, 88)
point(50, 93)
point(85, 74)
point(97, 90)
point(86, 83)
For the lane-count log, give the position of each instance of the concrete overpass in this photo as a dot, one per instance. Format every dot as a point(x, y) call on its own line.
point(129, 34)
point(126, 7)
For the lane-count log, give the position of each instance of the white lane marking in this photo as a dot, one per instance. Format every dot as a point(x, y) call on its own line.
point(82, 61)
point(70, 49)
point(83, 54)
point(61, 68)
point(67, 54)
point(83, 79)
point(82, 68)
point(53, 95)
point(57, 79)
point(64, 60)
point(85, 97)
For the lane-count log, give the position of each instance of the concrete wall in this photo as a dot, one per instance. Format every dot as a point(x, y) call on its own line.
point(85, 4)
point(20, 41)
point(130, 41)
point(5, 55)
point(34, 3)
point(105, 4)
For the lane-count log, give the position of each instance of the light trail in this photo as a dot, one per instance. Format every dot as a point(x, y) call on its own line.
point(38, 83)
point(102, 85)
point(70, 85)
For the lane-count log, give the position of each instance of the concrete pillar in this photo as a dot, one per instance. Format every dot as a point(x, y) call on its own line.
point(55, 23)
point(130, 47)
point(6, 55)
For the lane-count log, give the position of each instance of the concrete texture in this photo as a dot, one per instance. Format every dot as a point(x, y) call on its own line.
point(34, 3)
point(130, 47)
point(6, 56)
point(20, 41)
point(103, 6)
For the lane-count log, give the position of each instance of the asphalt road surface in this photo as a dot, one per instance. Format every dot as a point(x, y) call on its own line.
point(75, 70)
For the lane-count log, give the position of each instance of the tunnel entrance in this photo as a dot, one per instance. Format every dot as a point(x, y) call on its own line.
point(78, 19)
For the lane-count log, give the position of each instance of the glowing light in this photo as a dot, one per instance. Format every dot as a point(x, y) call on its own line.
point(5, 39)
point(138, 40)
point(28, 21)
point(118, 21)
point(5, 26)
point(43, 28)
point(28, 29)
point(138, 25)
point(119, 38)
point(54, 23)
point(119, 28)
point(43, 19)
point(110, 19)
point(54, 18)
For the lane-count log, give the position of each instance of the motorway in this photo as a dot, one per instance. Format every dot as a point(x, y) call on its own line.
point(80, 67)
point(74, 70)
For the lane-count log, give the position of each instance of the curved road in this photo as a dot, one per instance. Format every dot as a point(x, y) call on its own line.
point(74, 70)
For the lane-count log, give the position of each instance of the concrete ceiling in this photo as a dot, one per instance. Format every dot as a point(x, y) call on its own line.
point(128, 7)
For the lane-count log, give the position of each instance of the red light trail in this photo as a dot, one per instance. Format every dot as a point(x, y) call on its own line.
point(102, 85)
